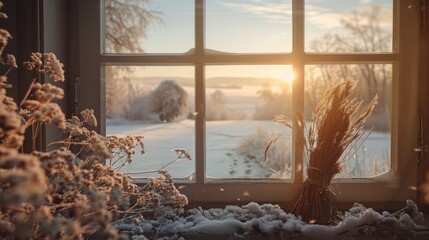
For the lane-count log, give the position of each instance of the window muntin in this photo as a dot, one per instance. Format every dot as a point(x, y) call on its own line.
point(156, 102)
point(335, 26)
point(241, 101)
point(153, 26)
point(371, 155)
point(247, 26)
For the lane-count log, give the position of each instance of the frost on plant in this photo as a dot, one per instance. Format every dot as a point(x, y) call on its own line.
point(46, 63)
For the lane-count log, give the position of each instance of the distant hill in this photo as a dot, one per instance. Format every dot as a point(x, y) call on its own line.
point(156, 80)
point(240, 81)
point(211, 82)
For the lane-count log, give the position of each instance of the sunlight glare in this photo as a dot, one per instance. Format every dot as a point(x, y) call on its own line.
point(288, 76)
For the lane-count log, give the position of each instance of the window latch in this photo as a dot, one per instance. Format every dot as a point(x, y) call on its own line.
point(422, 147)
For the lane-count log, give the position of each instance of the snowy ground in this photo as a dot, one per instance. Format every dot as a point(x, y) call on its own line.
point(222, 140)
point(227, 155)
point(267, 221)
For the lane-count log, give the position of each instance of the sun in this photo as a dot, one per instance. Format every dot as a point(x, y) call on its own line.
point(288, 76)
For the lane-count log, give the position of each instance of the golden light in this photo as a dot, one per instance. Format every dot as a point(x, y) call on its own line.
point(288, 76)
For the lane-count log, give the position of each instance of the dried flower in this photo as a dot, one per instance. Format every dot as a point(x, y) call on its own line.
point(46, 63)
point(3, 83)
point(53, 67)
point(98, 146)
point(26, 182)
point(182, 153)
point(46, 113)
point(88, 117)
point(35, 63)
point(4, 36)
point(121, 146)
point(9, 122)
point(46, 92)
point(60, 195)
point(11, 60)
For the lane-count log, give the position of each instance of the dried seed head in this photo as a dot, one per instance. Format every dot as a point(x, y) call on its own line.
point(4, 36)
point(46, 63)
point(11, 61)
point(88, 117)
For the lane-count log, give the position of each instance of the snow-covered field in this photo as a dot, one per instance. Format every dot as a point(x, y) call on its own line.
point(222, 156)
point(234, 148)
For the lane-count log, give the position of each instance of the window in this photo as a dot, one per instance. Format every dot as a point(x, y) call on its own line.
point(235, 61)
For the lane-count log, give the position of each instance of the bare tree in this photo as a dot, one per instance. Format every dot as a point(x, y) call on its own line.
point(126, 26)
point(362, 33)
point(127, 23)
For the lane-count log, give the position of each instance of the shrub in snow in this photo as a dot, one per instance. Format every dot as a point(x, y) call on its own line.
point(217, 108)
point(169, 100)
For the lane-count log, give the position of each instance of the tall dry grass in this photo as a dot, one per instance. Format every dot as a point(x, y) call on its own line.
point(337, 124)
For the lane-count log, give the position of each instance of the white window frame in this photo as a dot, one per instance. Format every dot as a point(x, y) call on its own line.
point(390, 189)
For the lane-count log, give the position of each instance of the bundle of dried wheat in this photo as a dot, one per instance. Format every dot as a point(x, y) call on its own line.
point(337, 124)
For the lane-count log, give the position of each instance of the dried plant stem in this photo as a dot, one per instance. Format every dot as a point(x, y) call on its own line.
point(116, 161)
point(34, 133)
point(27, 94)
point(154, 171)
point(317, 196)
point(8, 71)
point(67, 143)
point(2, 47)
point(354, 148)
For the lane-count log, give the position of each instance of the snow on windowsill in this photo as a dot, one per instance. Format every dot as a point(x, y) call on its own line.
point(267, 221)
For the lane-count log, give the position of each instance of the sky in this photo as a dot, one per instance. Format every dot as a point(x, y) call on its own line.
point(250, 26)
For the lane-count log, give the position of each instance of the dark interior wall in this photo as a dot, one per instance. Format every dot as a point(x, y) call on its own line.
point(61, 36)
point(54, 27)
point(24, 17)
point(9, 24)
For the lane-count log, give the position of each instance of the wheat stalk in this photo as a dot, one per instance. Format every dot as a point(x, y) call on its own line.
point(337, 124)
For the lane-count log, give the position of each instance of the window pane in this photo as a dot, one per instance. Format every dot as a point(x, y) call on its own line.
point(240, 104)
point(157, 103)
point(348, 26)
point(370, 156)
point(248, 26)
point(150, 26)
